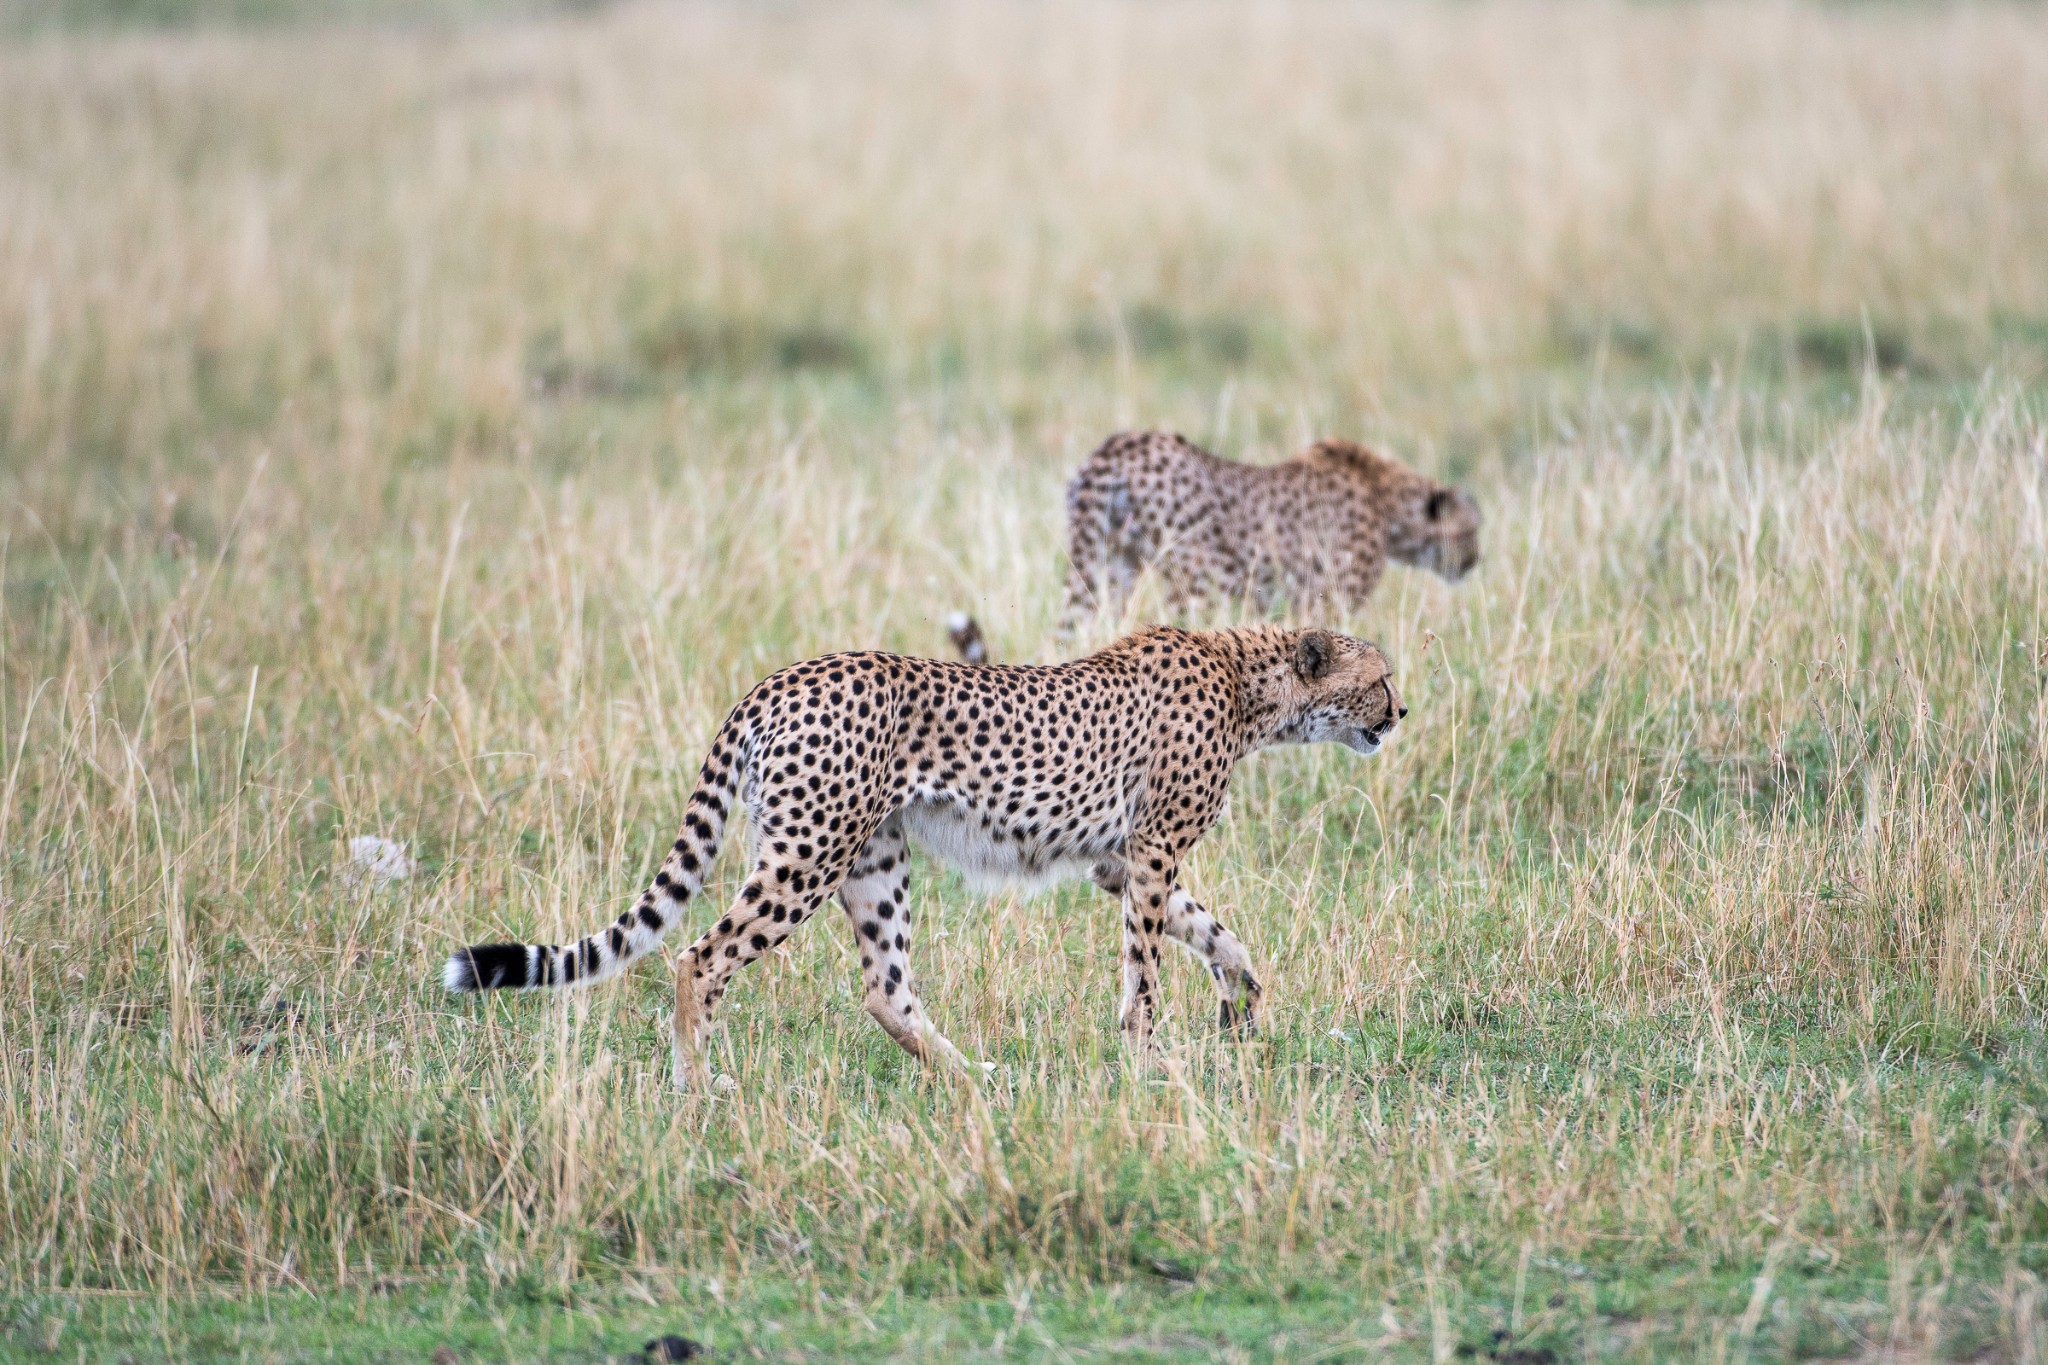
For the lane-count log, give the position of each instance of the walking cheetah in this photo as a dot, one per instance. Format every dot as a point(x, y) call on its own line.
point(1110, 766)
point(1318, 527)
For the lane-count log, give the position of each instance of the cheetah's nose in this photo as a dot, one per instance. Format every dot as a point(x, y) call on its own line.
point(1401, 714)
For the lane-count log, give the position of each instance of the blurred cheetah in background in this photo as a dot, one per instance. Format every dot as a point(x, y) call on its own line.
point(1315, 532)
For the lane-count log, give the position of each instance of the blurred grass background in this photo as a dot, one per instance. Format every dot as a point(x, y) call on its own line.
point(425, 423)
point(37, 18)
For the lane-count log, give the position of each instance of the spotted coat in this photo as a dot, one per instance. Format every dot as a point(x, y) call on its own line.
point(1314, 532)
point(1110, 766)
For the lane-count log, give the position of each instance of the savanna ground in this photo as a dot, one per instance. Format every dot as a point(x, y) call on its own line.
point(429, 431)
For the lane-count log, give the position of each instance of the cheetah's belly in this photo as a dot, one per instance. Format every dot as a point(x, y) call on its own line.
point(990, 857)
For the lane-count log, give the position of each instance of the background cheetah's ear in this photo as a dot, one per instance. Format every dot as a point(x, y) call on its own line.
point(1314, 652)
point(1439, 504)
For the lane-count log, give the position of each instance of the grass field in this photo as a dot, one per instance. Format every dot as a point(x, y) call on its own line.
point(430, 431)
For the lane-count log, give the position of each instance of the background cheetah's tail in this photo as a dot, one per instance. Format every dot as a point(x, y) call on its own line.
point(967, 637)
point(530, 966)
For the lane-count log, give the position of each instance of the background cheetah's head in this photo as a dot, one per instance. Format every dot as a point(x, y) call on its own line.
point(1428, 524)
point(1436, 528)
point(1341, 692)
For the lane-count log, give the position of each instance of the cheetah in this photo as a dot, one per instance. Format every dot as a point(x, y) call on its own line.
point(1109, 766)
point(1314, 531)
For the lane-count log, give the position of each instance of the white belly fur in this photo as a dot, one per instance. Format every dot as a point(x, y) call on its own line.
point(958, 840)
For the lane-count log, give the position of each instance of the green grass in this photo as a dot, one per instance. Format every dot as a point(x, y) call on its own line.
point(1528, 1310)
point(1141, 1292)
point(1144, 1294)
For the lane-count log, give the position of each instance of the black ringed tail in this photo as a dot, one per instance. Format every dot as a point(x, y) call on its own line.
point(609, 951)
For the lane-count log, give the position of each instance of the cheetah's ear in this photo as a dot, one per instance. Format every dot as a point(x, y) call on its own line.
point(1314, 652)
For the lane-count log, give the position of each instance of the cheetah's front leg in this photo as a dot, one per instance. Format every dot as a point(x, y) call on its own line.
point(1191, 926)
point(1198, 931)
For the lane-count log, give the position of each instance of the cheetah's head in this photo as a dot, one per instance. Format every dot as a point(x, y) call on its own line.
point(1337, 690)
point(1435, 528)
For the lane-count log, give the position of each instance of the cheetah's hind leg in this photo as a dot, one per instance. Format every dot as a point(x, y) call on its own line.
point(780, 894)
point(875, 894)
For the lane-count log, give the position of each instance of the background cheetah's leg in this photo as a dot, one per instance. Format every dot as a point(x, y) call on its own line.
point(1195, 929)
point(1080, 600)
point(1100, 578)
point(1087, 552)
point(778, 896)
point(1104, 553)
point(1148, 882)
point(874, 897)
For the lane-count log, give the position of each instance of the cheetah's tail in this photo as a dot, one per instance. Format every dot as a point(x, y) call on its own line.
point(606, 953)
point(967, 637)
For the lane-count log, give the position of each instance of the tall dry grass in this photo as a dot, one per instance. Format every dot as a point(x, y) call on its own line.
point(431, 434)
point(1397, 213)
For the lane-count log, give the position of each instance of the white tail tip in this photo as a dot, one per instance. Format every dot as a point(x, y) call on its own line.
point(459, 975)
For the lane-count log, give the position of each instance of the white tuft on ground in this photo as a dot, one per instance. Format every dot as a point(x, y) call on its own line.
point(379, 859)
